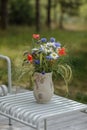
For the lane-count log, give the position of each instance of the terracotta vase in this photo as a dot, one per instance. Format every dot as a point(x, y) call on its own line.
point(43, 87)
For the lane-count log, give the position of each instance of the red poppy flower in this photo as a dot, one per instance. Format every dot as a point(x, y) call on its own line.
point(61, 51)
point(36, 36)
point(30, 58)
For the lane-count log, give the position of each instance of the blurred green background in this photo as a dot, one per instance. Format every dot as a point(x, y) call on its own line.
point(66, 20)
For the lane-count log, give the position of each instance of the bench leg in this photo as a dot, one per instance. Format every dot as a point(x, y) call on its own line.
point(39, 126)
point(45, 124)
point(10, 121)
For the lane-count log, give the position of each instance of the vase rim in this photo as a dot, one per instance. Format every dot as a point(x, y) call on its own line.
point(44, 73)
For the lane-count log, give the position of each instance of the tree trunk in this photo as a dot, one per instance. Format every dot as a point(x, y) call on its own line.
point(55, 11)
point(37, 15)
point(4, 14)
point(61, 19)
point(49, 14)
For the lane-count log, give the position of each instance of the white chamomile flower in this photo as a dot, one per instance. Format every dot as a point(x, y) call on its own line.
point(54, 55)
point(34, 49)
point(45, 50)
point(49, 44)
point(45, 45)
point(42, 47)
point(48, 50)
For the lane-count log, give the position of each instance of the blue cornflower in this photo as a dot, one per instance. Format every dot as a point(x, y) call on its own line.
point(37, 62)
point(43, 40)
point(49, 57)
point(52, 39)
point(43, 72)
point(40, 49)
point(57, 44)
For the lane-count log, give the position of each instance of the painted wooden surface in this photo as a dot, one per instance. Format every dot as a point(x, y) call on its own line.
point(71, 121)
point(76, 121)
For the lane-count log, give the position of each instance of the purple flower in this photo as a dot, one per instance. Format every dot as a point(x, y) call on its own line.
point(43, 72)
point(37, 62)
point(57, 44)
point(43, 40)
point(40, 49)
point(52, 39)
point(49, 57)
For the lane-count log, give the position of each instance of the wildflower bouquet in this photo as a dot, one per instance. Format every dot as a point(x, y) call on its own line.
point(48, 56)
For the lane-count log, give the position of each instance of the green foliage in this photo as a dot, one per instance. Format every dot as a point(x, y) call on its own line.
point(83, 11)
point(22, 74)
point(21, 12)
point(70, 7)
point(3, 72)
point(81, 97)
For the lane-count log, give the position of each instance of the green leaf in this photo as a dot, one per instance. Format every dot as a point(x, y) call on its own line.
point(41, 59)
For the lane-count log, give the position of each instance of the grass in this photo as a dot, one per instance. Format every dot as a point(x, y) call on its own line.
point(15, 40)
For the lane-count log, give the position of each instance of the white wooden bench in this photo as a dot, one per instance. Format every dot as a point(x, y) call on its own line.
point(23, 108)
